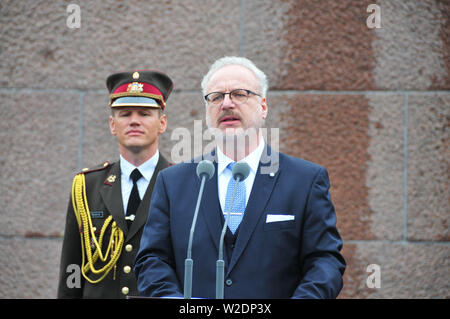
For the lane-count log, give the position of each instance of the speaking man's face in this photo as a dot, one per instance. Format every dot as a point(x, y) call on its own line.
point(232, 118)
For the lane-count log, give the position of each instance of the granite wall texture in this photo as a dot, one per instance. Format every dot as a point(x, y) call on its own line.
point(371, 105)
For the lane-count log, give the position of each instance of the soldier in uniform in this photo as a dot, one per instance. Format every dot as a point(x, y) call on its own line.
point(109, 203)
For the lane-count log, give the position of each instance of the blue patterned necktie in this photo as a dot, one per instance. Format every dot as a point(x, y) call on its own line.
point(238, 208)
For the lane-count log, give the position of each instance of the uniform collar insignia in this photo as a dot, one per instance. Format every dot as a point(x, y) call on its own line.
point(111, 178)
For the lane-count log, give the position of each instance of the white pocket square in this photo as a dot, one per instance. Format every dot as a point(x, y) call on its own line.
point(278, 218)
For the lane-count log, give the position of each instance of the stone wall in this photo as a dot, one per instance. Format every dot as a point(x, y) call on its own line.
point(372, 105)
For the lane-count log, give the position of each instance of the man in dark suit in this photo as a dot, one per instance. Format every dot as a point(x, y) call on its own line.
point(281, 240)
point(109, 203)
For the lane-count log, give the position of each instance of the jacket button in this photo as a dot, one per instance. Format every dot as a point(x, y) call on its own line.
point(228, 282)
point(129, 247)
point(125, 290)
point(127, 269)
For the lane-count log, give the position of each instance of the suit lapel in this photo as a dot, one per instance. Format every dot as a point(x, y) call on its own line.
point(142, 212)
point(111, 193)
point(259, 196)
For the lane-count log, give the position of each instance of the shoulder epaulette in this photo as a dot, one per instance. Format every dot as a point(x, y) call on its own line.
point(95, 168)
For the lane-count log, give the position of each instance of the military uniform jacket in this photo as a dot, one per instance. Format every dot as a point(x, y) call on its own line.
point(103, 191)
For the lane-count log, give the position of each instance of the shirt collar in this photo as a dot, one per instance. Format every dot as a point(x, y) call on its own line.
point(251, 159)
point(146, 169)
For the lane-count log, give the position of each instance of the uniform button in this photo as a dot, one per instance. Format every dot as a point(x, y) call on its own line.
point(129, 247)
point(228, 282)
point(127, 269)
point(125, 290)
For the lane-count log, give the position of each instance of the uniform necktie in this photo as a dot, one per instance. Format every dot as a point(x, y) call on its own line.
point(134, 200)
point(238, 208)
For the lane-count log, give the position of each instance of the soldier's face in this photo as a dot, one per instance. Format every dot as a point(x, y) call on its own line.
point(137, 128)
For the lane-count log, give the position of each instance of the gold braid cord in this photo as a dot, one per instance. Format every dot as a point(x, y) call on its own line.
point(88, 238)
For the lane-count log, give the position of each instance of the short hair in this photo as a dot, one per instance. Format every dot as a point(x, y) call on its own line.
point(234, 60)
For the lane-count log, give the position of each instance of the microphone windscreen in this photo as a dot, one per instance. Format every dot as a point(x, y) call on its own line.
point(205, 168)
point(241, 170)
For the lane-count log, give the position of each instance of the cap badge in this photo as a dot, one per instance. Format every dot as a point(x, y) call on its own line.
point(136, 75)
point(135, 87)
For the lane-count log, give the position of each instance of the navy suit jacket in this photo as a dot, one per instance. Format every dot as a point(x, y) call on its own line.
point(297, 258)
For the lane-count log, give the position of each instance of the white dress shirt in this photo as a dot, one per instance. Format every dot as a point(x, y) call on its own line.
point(146, 169)
point(224, 175)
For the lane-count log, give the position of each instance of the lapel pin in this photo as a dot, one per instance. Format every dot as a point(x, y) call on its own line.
point(111, 178)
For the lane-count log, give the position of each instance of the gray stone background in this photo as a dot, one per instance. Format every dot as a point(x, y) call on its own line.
point(371, 105)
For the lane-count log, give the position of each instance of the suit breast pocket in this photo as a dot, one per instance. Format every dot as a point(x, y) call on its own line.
point(279, 221)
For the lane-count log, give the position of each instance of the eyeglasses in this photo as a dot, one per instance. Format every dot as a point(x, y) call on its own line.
point(237, 96)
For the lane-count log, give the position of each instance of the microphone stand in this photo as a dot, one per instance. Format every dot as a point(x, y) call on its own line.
point(188, 262)
point(220, 263)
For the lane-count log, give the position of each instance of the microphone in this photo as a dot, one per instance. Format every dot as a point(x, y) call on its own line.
point(240, 172)
point(205, 170)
